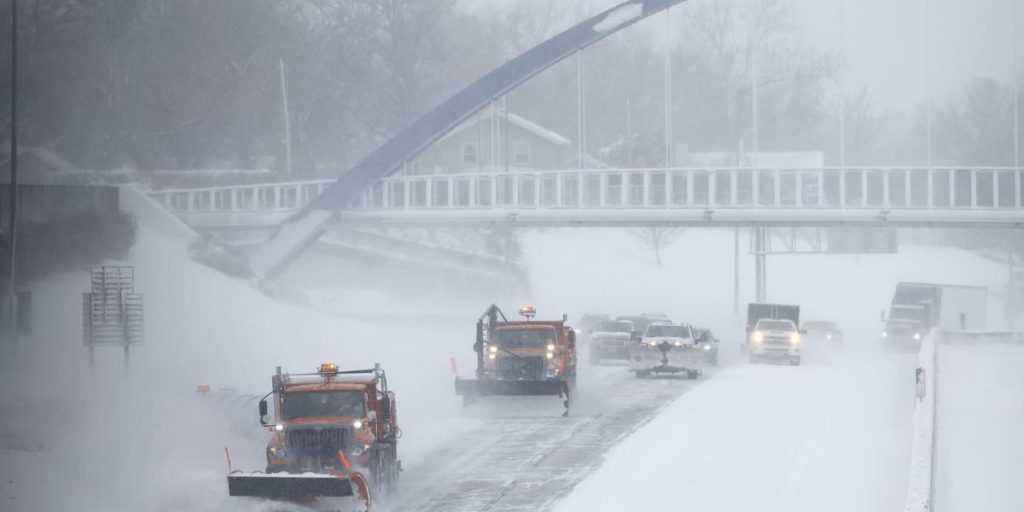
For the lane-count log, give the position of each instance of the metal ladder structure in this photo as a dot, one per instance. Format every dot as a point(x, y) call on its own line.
point(112, 313)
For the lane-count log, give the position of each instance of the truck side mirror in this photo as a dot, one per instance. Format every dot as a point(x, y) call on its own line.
point(883, 315)
point(385, 408)
point(264, 420)
point(572, 339)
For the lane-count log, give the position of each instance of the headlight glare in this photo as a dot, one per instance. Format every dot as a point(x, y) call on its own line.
point(357, 424)
point(279, 427)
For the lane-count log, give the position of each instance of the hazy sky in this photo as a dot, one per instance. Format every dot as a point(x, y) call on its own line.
point(885, 40)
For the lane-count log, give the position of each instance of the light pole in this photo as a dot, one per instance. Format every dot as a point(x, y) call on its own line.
point(1016, 94)
point(842, 85)
point(928, 82)
point(13, 199)
point(668, 88)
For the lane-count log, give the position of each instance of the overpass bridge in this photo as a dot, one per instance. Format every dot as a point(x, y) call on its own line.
point(973, 197)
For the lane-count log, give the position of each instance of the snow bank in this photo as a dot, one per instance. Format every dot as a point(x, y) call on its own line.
point(772, 438)
point(106, 438)
point(133, 199)
point(979, 413)
point(922, 454)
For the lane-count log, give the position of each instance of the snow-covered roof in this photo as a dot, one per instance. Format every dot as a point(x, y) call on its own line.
point(515, 119)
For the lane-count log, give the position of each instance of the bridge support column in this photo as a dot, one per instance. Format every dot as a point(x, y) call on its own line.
point(760, 240)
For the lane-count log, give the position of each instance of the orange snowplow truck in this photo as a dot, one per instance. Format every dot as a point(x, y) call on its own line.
point(333, 434)
point(531, 357)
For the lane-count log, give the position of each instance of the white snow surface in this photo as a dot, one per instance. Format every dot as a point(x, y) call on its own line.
point(827, 435)
point(980, 411)
point(105, 439)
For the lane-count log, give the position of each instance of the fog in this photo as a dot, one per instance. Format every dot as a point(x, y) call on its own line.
point(116, 91)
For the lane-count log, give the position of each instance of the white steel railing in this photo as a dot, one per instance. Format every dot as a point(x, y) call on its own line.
point(881, 188)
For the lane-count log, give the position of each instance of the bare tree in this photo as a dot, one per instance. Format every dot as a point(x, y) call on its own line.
point(656, 238)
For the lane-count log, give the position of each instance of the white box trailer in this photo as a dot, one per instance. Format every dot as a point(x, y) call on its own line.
point(963, 308)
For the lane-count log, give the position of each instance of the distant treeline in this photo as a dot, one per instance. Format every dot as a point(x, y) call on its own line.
point(196, 84)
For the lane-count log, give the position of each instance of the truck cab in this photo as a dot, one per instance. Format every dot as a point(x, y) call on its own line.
point(530, 357)
point(775, 339)
point(328, 423)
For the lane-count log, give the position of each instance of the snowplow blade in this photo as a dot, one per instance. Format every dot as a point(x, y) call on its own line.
point(288, 486)
point(474, 387)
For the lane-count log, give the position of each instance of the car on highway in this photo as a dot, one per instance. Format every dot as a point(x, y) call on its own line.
point(666, 348)
point(585, 325)
point(775, 339)
point(822, 330)
point(708, 344)
point(643, 321)
point(611, 340)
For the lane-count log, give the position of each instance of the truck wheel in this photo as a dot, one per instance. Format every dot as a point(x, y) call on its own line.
point(794, 361)
point(384, 469)
point(641, 374)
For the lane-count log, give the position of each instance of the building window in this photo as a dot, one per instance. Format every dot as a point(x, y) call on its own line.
point(470, 156)
point(521, 154)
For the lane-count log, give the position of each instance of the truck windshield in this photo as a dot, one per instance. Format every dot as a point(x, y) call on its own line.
point(673, 331)
point(775, 325)
point(625, 327)
point(524, 338)
point(909, 313)
point(305, 404)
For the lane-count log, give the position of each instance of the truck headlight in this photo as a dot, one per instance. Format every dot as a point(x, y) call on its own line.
point(551, 355)
point(794, 339)
point(551, 347)
point(885, 334)
point(493, 349)
point(917, 336)
point(707, 347)
point(758, 336)
point(357, 424)
point(279, 427)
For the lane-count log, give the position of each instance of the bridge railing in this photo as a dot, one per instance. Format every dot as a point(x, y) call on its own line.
point(695, 188)
point(265, 197)
point(835, 188)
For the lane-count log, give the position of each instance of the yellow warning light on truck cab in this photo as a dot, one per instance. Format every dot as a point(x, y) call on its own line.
point(329, 368)
point(528, 311)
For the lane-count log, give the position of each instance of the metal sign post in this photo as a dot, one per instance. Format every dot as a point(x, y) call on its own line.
point(112, 314)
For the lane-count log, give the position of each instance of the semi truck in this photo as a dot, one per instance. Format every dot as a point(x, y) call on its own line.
point(916, 308)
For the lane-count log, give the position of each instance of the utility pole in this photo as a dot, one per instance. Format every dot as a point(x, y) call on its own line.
point(928, 81)
point(668, 88)
point(1016, 94)
point(842, 85)
point(736, 270)
point(13, 199)
point(287, 122)
point(581, 114)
